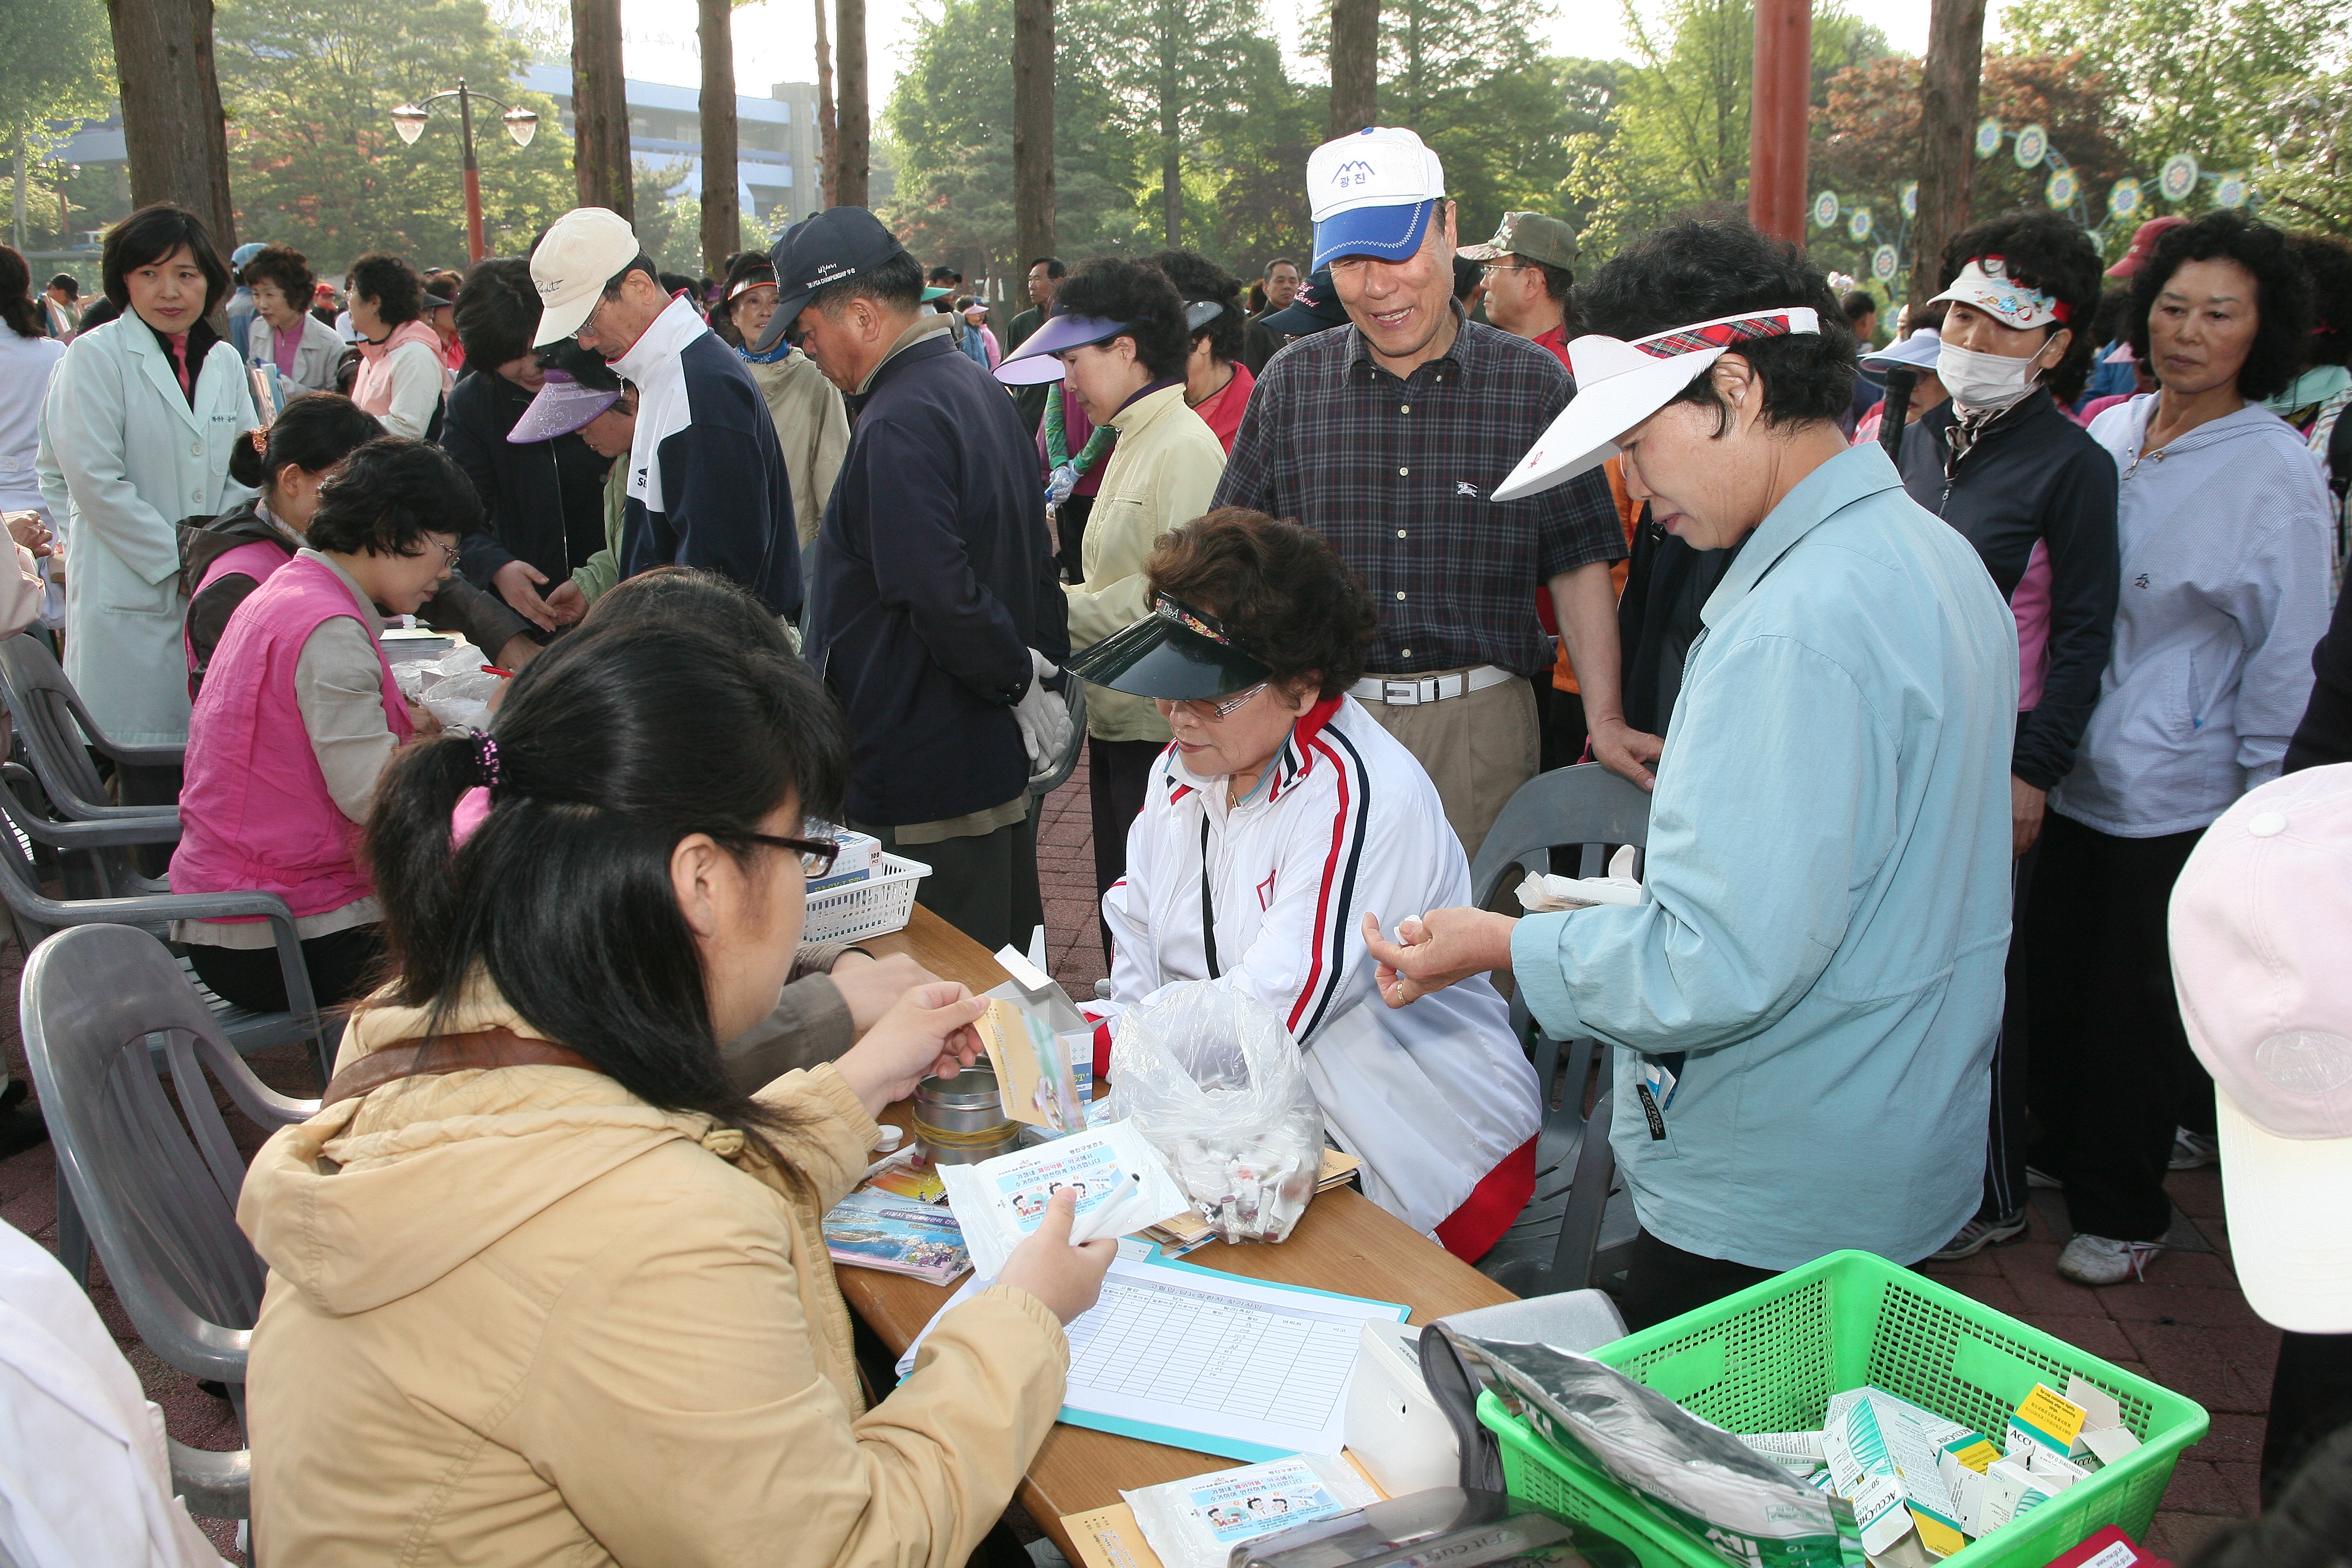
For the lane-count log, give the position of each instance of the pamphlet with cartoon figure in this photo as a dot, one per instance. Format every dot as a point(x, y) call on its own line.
point(1033, 1069)
point(1120, 1181)
point(1196, 1523)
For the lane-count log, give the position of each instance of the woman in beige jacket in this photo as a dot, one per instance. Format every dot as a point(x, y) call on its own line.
point(534, 1303)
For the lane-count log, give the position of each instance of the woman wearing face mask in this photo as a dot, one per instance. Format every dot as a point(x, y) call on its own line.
point(1817, 954)
point(812, 421)
point(2223, 523)
point(2002, 463)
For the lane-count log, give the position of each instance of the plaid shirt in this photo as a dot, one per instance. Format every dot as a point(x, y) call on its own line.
point(1395, 473)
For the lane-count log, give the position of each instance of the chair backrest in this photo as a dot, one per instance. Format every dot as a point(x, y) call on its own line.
point(34, 914)
point(1583, 807)
point(50, 716)
point(1074, 700)
point(157, 1189)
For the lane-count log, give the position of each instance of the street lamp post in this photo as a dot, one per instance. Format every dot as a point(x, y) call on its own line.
point(522, 125)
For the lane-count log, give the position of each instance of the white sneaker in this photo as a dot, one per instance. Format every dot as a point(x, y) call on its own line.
point(2193, 1150)
point(2102, 1261)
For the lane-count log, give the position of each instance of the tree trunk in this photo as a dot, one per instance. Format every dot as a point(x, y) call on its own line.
point(1778, 121)
point(1355, 65)
point(1947, 118)
point(1171, 123)
point(1033, 129)
point(723, 209)
point(826, 150)
point(171, 123)
point(851, 140)
point(599, 107)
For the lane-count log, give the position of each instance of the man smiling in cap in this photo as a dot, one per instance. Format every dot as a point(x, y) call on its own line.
point(1389, 437)
point(934, 614)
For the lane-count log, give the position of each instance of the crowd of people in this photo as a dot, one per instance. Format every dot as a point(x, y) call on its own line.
point(1939, 657)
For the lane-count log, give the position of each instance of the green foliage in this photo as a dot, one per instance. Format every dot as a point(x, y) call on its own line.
point(314, 161)
point(54, 56)
point(2251, 85)
point(669, 227)
point(1173, 67)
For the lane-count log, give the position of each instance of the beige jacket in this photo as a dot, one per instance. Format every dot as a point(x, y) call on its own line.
point(523, 1316)
point(1162, 476)
point(813, 424)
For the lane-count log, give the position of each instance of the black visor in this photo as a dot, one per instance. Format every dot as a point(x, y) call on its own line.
point(1175, 652)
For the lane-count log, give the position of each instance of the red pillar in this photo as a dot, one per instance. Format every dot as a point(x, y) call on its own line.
point(1778, 122)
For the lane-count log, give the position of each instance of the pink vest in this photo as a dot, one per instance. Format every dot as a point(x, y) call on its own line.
point(372, 388)
point(259, 561)
point(255, 811)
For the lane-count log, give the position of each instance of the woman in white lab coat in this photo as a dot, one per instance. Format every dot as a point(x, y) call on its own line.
point(136, 434)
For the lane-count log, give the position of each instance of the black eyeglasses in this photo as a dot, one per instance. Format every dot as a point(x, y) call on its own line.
point(817, 855)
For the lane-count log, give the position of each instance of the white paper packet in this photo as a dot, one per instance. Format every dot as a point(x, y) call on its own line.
point(1123, 1186)
point(1197, 1522)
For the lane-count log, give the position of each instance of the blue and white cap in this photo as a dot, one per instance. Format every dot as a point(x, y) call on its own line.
point(1372, 194)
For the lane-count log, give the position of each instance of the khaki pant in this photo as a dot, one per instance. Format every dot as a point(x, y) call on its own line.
point(1477, 749)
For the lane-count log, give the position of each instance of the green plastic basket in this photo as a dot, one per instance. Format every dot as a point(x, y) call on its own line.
point(1767, 1359)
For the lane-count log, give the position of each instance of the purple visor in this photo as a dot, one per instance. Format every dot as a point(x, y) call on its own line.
point(562, 407)
point(1034, 362)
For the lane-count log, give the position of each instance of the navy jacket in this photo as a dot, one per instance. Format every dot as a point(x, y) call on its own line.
point(545, 500)
point(933, 579)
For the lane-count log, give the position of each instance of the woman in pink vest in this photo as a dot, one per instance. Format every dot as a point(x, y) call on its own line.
point(401, 378)
point(298, 718)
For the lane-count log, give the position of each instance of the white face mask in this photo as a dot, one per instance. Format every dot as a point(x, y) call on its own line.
point(1985, 381)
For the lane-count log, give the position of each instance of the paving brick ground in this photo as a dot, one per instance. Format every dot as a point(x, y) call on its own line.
point(2187, 1327)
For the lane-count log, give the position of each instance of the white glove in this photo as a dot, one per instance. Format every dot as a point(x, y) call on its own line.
point(1058, 487)
point(1045, 721)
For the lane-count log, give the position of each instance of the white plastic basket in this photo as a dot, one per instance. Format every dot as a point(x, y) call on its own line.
point(874, 907)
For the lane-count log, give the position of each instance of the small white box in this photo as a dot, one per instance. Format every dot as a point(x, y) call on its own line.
point(1394, 1428)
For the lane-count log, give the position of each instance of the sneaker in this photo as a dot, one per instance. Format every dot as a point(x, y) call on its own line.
point(2193, 1150)
point(1979, 1233)
point(2043, 1179)
point(2102, 1261)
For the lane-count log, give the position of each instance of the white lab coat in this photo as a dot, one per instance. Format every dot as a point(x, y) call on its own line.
point(1432, 1096)
point(123, 459)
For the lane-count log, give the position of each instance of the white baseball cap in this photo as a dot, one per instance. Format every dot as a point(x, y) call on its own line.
point(1619, 385)
point(571, 265)
point(1372, 194)
point(2259, 921)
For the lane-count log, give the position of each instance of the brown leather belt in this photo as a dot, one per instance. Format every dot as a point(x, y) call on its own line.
point(424, 1058)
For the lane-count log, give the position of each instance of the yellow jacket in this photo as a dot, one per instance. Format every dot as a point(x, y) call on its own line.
point(523, 1317)
point(1162, 475)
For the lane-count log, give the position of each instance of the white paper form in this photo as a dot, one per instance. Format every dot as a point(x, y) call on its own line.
point(1211, 1360)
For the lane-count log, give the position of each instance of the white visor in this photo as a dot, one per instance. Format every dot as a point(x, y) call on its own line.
point(2288, 1238)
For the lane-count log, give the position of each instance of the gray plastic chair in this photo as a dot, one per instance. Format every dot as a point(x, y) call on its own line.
point(158, 1187)
point(1576, 1231)
point(38, 917)
point(1074, 698)
point(58, 731)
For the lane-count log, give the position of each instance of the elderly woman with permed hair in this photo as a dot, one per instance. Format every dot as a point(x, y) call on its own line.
point(1280, 812)
point(1803, 1004)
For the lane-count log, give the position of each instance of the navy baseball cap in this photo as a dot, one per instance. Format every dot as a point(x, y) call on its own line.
point(1315, 308)
point(830, 247)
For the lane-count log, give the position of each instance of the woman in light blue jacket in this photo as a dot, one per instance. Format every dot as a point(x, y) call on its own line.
point(2222, 521)
point(135, 435)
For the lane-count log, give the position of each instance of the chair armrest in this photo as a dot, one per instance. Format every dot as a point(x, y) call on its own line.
point(214, 1485)
point(101, 833)
point(152, 756)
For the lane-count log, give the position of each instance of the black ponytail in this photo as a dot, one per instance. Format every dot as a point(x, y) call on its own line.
point(17, 294)
point(313, 432)
point(608, 750)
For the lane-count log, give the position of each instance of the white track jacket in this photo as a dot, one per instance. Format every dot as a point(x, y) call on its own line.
point(1431, 1097)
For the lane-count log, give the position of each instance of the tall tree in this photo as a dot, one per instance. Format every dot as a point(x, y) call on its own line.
point(1355, 66)
point(172, 121)
point(1948, 121)
point(827, 147)
point(722, 206)
point(599, 107)
point(52, 77)
point(852, 138)
point(1173, 63)
point(1033, 126)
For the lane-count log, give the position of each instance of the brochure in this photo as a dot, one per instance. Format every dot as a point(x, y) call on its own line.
point(872, 1229)
point(1121, 1183)
point(1033, 1069)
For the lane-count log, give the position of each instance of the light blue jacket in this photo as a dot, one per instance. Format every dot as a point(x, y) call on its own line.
point(1828, 893)
point(2225, 533)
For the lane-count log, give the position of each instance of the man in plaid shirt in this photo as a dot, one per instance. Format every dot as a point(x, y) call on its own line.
point(1387, 438)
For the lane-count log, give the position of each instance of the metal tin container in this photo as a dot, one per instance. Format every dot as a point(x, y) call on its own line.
point(961, 1121)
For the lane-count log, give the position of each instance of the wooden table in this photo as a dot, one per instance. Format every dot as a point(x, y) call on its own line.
point(1344, 1243)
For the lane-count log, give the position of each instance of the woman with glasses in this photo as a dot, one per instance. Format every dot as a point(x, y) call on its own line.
point(297, 716)
point(1281, 813)
point(566, 1277)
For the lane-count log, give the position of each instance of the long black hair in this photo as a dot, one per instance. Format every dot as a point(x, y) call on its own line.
point(313, 432)
point(608, 750)
point(16, 295)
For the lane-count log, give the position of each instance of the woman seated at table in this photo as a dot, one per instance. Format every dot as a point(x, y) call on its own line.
point(1281, 813)
point(298, 718)
point(570, 1295)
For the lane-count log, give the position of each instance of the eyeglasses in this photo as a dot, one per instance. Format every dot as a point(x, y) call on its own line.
point(590, 324)
point(817, 855)
point(1493, 267)
point(1214, 711)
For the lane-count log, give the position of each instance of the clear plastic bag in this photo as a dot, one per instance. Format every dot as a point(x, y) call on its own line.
point(463, 701)
point(1213, 1081)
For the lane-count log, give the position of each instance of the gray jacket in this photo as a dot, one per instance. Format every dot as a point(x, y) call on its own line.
point(2224, 537)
